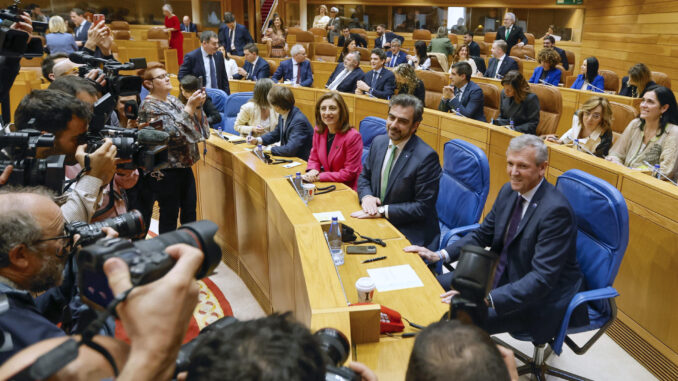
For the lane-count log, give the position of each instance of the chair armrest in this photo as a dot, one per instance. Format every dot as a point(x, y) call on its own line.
point(460, 231)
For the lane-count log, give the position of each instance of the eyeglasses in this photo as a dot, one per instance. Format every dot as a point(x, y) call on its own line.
point(161, 76)
point(65, 248)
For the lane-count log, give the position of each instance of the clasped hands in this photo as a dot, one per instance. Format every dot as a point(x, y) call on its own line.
point(370, 208)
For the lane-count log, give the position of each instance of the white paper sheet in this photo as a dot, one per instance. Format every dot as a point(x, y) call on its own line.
point(395, 278)
point(292, 164)
point(327, 216)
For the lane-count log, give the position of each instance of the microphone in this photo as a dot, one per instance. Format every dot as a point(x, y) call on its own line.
point(152, 137)
point(594, 87)
point(659, 172)
point(83, 58)
point(545, 83)
point(529, 58)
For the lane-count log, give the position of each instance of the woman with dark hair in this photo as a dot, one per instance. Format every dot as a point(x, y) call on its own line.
point(420, 60)
point(637, 82)
point(547, 73)
point(350, 46)
point(408, 83)
point(276, 35)
point(257, 116)
point(652, 138)
point(336, 155)
point(188, 85)
point(462, 55)
point(519, 107)
point(589, 79)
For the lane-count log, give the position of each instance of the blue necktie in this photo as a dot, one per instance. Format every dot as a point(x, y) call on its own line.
point(374, 80)
point(514, 222)
point(213, 73)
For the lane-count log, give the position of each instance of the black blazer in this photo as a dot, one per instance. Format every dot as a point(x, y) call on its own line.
point(419, 91)
point(542, 274)
point(525, 115)
point(412, 188)
point(242, 38)
point(629, 90)
point(384, 85)
point(515, 36)
point(563, 57)
point(359, 40)
point(389, 37)
point(471, 105)
point(191, 28)
point(194, 65)
point(474, 49)
point(296, 139)
point(507, 65)
point(348, 85)
point(262, 70)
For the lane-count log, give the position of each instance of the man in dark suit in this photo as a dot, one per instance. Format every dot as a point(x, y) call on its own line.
point(473, 47)
point(345, 35)
point(550, 42)
point(395, 56)
point(346, 75)
point(464, 96)
point(532, 228)
point(296, 70)
point(400, 176)
point(188, 26)
point(510, 33)
point(233, 36)
point(81, 26)
point(254, 67)
point(500, 63)
point(294, 131)
point(378, 82)
point(384, 38)
point(207, 62)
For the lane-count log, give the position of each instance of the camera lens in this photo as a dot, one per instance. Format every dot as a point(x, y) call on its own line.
point(334, 345)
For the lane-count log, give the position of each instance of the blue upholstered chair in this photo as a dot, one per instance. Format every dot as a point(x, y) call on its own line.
point(369, 128)
point(219, 99)
point(233, 104)
point(602, 235)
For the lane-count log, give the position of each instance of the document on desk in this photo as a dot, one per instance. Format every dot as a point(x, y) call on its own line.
point(327, 216)
point(395, 278)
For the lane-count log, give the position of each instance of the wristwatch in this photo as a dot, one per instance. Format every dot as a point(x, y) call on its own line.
point(381, 210)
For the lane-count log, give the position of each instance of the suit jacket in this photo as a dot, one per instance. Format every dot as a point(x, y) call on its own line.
point(563, 58)
point(599, 83)
point(295, 138)
point(82, 34)
point(552, 76)
point(344, 162)
point(441, 45)
point(525, 114)
point(359, 40)
point(514, 37)
point(474, 49)
point(194, 65)
point(412, 188)
point(191, 28)
point(399, 59)
point(261, 70)
point(507, 65)
point(471, 105)
point(629, 90)
point(384, 85)
point(348, 85)
point(389, 37)
point(286, 72)
point(242, 38)
point(542, 274)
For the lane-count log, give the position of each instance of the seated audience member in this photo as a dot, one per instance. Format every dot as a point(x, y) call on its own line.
point(550, 43)
point(441, 43)
point(48, 64)
point(519, 107)
point(637, 82)
point(277, 37)
point(384, 38)
point(532, 228)
point(547, 73)
point(322, 19)
point(296, 70)
point(463, 96)
point(230, 64)
point(189, 85)
point(254, 66)
point(58, 40)
point(473, 47)
point(293, 131)
point(500, 63)
point(207, 62)
point(349, 47)
point(346, 35)
point(450, 350)
point(400, 176)
point(407, 82)
point(462, 55)
point(337, 150)
point(420, 59)
point(346, 75)
point(652, 138)
point(188, 26)
point(395, 56)
point(591, 127)
point(378, 82)
point(257, 116)
point(589, 79)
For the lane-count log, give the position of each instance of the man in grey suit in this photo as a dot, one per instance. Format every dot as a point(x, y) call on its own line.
point(334, 26)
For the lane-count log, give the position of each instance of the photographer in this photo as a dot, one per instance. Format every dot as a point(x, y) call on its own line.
point(67, 118)
point(9, 67)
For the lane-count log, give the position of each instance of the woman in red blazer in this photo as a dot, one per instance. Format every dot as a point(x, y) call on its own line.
point(336, 155)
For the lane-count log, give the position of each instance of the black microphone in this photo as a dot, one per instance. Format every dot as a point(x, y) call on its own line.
point(86, 59)
point(152, 137)
point(546, 83)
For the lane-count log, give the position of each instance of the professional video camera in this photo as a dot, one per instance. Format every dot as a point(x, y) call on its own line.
point(128, 225)
point(18, 149)
point(17, 43)
point(473, 278)
point(147, 260)
point(335, 348)
point(116, 84)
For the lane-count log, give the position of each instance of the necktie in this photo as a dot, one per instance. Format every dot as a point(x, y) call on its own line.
point(374, 80)
point(337, 81)
point(457, 93)
point(213, 73)
point(232, 40)
point(387, 172)
point(250, 75)
point(298, 81)
point(514, 222)
point(508, 31)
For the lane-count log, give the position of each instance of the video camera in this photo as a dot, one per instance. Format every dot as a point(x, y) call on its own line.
point(147, 259)
point(116, 84)
point(17, 43)
point(18, 149)
point(128, 225)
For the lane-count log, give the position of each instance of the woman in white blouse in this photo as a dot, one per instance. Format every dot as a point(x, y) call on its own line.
point(461, 55)
point(257, 116)
point(231, 65)
point(321, 20)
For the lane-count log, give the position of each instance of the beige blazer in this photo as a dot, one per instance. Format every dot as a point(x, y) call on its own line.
point(250, 116)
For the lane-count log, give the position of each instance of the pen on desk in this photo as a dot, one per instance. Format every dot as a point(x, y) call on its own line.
point(374, 259)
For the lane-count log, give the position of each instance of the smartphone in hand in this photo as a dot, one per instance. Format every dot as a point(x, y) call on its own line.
point(98, 17)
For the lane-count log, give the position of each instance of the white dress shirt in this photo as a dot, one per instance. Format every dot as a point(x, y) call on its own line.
point(206, 62)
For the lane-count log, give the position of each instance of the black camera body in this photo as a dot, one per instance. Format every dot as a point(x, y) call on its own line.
point(13, 13)
point(19, 149)
point(335, 348)
point(147, 259)
point(17, 43)
point(128, 225)
point(116, 84)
